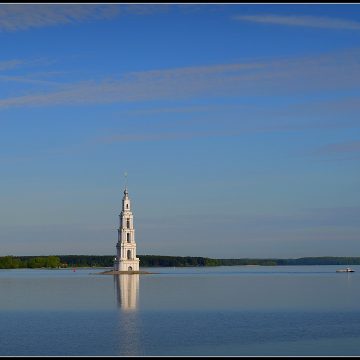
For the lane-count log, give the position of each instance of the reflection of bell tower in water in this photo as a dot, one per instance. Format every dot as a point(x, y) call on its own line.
point(126, 259)
point(127, 295)
point(127, 289)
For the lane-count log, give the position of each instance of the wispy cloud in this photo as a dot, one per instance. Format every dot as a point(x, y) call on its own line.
point(339, 148)
point(279, 76)
point(10, 64)
point(18, 17)
point(6, 65)
point(160, 136)
point(341, 151)
point(17, 71)
point(144, 9)
point(304, 217)
point(15, 17)
point(26, 79)
point(182, 109)
point(302, 20)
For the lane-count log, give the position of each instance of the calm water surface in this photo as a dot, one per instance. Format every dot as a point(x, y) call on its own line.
point(238, 310)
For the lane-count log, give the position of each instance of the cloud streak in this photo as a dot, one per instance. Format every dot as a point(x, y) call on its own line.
point(347, 147)
point(304, 20)
point(17, 17)
point(279, 76)
point(161, 136)
point(10, 64)
point(20, 17)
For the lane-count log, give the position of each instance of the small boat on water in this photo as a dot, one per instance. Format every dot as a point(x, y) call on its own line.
point(345, 270)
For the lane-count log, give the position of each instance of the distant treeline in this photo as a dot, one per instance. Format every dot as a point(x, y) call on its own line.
point(63, 261)
point(157, 260)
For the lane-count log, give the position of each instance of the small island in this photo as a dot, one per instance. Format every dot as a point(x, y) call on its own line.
point(128, 272)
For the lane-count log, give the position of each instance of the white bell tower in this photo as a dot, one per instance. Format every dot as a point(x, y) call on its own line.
point(126, 259)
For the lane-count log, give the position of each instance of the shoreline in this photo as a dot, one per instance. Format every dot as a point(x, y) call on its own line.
point(109, 271)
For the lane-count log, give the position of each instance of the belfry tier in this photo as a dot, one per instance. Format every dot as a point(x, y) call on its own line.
point(126, 230)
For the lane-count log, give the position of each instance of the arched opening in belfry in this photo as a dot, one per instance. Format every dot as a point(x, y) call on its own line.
point(128, 237)
point(129, 268)
point(127, 206)
point(128, 223)
point(129, 254)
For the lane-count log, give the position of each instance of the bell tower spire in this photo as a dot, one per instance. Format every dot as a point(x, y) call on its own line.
point(126, 259)
point(125, 174)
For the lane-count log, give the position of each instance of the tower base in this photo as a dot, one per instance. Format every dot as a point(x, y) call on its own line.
point(127, 265)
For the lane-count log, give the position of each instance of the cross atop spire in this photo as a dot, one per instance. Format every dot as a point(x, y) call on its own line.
point(125, 174)
point(126, 190)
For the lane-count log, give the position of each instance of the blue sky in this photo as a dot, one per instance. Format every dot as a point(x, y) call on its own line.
point(238, 126)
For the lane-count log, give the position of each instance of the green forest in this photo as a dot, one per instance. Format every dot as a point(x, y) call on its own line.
point(64, 261)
